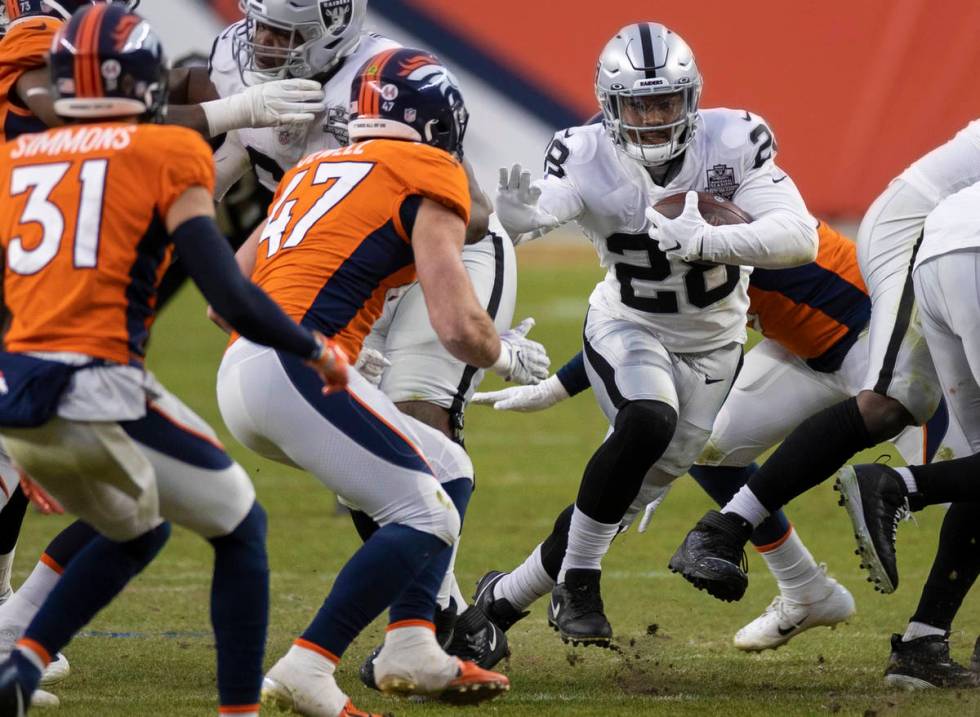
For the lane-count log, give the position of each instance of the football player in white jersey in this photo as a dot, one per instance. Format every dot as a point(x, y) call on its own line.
point(663, 336)
point(945, 271)
point(901, 386)
point(324, 40)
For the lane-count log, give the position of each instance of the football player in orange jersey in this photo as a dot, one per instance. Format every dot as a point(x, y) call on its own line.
point(26, 105)
point(89, 216)
point(346, 225)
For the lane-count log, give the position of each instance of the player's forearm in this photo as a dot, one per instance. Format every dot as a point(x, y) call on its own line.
point(470, 336)
point(775, 241)
point(190, 116)
point(572, 375)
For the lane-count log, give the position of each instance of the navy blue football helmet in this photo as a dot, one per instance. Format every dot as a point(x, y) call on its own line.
point(408, 94)
point(107, 62)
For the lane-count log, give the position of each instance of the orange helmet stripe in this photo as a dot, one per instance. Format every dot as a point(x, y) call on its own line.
point(367, 102)
point(87, 78)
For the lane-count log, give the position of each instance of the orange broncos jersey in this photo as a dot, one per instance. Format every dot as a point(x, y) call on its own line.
point(816, 310)
point(23, 48)
point(81, 226)
point(339, 230)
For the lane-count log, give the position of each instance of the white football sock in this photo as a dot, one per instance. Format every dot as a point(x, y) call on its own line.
point(747, 506)
point(17, 612)
point(799, 577)
point(526, 583)
point(309, 657)
point(588, 543)
point(6, 565)
point(910, 484)
point(916, 630)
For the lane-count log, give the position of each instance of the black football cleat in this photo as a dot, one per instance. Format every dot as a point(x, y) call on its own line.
point(712, 556)
point(478, 640)
point(366, 673)
point(14, 702)
point(925, 662)
point(576, 610)
point(499, 611)
point(876, 498)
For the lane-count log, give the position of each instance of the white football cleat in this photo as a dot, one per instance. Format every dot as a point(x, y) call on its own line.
point(56, 671)
point(784, 619)
point(43, 700)
point(299, 683)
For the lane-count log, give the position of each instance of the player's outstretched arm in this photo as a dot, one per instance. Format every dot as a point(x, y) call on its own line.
point(196, 104)
point(459, 320)
point(569, 380)
point(248, 309)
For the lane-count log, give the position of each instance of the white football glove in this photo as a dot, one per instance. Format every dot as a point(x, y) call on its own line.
point(270, 104)
point(524, 399)
point(517, 204)
point(521, 360)
point(683, 237)
point(371, 365)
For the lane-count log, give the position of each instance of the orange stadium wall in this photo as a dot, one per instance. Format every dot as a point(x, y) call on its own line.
point(854, 89)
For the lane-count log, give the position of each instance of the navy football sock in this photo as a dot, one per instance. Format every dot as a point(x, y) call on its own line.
point(418, 600)
point(90, 582)
point(69, 542)
point(370, 581)
point(240, 608)
point(722, 482)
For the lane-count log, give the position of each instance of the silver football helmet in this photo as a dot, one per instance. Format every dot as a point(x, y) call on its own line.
point(648, 86)
point(295, 38)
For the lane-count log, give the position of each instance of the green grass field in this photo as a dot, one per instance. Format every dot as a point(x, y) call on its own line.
point(151, 652)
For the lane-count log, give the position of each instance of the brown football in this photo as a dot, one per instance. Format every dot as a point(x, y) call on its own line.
point(716, 210)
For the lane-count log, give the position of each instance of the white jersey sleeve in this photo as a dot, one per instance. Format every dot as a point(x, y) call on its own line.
point(560, 196)
point(953, 225)
point(782, 232)
point(948, 168)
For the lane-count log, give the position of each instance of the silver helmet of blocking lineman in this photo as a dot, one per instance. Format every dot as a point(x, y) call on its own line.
point(295, 38)
point(648, 86)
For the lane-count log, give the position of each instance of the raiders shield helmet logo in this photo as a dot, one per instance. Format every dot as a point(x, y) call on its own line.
point(336, 15)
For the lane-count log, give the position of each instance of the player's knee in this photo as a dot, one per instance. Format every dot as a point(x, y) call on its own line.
point(446, 525)
point(883, 416)
point(436, 515)
point(646, 425)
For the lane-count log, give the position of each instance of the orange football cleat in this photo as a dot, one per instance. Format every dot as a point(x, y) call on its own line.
point(351, 711)
point(473, 685)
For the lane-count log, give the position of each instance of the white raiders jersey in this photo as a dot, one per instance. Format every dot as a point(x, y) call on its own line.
point(948, 168)
point(952, 226)
point(690, 307)
point(273, 151)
